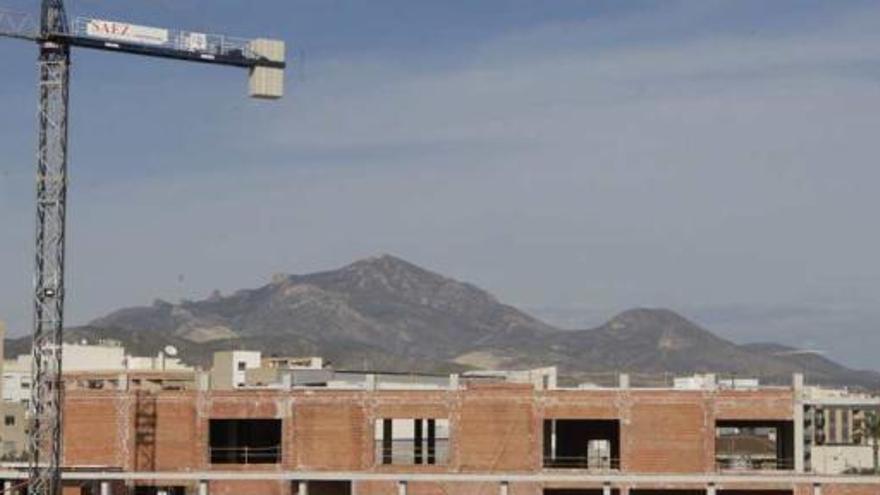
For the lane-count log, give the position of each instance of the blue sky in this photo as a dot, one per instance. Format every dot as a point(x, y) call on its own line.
point(576, 158)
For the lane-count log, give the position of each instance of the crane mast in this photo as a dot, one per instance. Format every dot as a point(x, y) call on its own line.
point(45, 441)
point(53, 34)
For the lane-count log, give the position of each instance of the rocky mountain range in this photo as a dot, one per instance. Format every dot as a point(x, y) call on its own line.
point(386, 313)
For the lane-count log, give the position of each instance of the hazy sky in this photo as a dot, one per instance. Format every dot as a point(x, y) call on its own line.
point(718, 157)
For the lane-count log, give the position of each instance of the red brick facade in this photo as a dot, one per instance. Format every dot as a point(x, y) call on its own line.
point(493, 429)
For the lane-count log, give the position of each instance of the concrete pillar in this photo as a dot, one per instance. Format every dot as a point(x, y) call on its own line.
point(553, 380)
point(203, 380)
point(797, 383)
point(302, 488)
point(370, 383)
point(606, 489)
point(711, 381)
point(7, 487)
point(798, 418)
point(537, 381)
point(453, 381)
point(817, 489)
point(710, 489)
point(203, 488)
point(553, 439)
point(503, 488)
point(401, 488)
point(623, 380)
point(123, 381)
point(105, 488)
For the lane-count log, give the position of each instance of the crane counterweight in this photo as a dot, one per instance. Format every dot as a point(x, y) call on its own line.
point(267, 82)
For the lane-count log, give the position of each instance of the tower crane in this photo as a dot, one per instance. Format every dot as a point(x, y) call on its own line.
point(55, 35)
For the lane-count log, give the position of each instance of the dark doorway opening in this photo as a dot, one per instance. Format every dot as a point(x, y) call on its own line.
point(578, 491)
point(325, 487)
point(159, 490)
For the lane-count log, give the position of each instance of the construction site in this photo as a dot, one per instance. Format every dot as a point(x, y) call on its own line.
point(268, 425)
point(90, 419)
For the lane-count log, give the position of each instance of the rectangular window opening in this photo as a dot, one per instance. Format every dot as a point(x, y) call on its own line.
point(412, 441)
point(582, 443)
point(245, 441)
point(745, 445)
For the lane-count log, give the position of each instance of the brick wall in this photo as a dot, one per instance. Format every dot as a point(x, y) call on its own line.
point(329, 435)
point(667, 432)
point(851, 489)
point(90, 429)
point(249, 488)
point(754, 404)
point(497, 430)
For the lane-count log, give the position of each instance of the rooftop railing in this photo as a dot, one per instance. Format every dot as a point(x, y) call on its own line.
point(201, 43)
point(749, 463)
point(582, 462)
point(245, 455)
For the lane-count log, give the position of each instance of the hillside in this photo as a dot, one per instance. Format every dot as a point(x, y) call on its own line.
point(381, 311)
point(386, 313)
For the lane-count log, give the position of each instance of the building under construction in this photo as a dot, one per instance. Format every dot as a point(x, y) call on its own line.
point(504, 433)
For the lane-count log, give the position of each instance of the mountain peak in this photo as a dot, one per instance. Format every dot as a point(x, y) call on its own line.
point(661, 328)
point(383, 262)
point(651, 314)
point(640, 317)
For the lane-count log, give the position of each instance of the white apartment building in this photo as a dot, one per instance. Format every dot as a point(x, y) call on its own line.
point(80, 358)
point(229, 369)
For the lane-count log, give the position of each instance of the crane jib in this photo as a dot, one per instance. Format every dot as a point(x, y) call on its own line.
point(232, 57)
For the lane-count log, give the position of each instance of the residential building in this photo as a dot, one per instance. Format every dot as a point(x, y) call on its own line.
point(229, 369)
point(13, 431)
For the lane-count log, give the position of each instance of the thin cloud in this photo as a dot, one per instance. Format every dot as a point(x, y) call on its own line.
point(660, 169)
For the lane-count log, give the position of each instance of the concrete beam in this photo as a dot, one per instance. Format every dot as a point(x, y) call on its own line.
point(776, 478)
